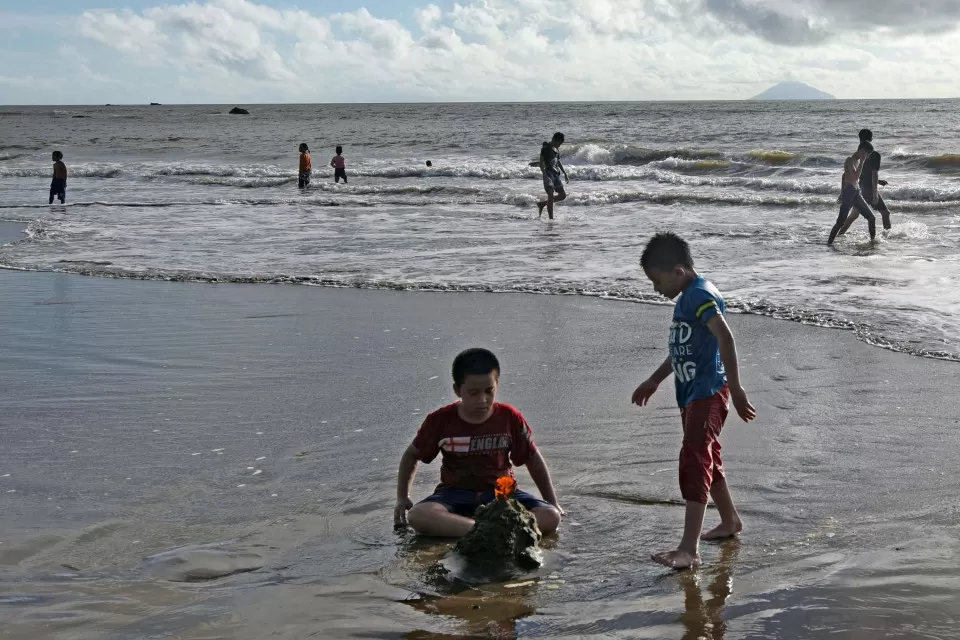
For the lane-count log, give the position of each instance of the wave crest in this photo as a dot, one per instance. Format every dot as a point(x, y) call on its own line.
point(775, 157)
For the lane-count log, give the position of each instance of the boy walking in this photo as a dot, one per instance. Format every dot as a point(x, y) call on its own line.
point(339, 165)
point(551, 167)
point(58, 186)
point(703, 359)
point(478, 439)
point(851, 196)
point(870, 184)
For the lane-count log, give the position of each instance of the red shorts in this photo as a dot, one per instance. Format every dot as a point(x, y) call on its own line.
point(700, 459)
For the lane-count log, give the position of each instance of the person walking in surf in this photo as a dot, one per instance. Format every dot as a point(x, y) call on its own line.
point(303, 180)
point(551, 167)
point(851, 195)
point(869, 185)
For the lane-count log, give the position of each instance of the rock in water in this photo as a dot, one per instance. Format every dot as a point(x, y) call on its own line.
point(237, 111)
point(504, 533)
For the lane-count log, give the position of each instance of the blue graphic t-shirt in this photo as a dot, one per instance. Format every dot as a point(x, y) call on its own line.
point(694, 351)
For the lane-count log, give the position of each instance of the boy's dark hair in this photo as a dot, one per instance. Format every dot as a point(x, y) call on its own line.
point(57, 156)
point(558, 136)
point(474, 362)
point(304, 147)
point(866, 135)
point(429, 164)
point(339, 149)
point(865, 146)
point(665, 251)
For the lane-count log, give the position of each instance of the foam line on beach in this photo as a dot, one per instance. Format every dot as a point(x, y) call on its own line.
point(864, 331)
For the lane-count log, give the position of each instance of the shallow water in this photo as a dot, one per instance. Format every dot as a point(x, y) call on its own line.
point(191, 193)
point(138, 414)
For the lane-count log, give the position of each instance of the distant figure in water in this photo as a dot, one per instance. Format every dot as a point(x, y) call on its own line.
point(479, 440)
point(339, 166)
point(551, 167)
point(869, 185)
point(703, 361)
point(429, 164)
point(58, 187)
point(305, 166)
point(851, 195)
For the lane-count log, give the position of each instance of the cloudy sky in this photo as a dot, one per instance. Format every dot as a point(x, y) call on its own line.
point(136, 51)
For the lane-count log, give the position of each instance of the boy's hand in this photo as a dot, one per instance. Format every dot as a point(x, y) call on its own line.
point(400, 511)
point(745, 410)
point(642, 395)
point(882, 183)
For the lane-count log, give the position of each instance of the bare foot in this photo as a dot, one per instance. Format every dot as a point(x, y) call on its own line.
point(677, 559)
point(723, 531)
point(540, 206)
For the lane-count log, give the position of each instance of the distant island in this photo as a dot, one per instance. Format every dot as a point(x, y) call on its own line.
point(793, 91)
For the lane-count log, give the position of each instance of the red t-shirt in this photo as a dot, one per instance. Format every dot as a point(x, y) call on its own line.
point(475, 455)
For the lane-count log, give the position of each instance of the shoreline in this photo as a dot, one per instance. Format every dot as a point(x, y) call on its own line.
point(11, 231)
point(136, 412)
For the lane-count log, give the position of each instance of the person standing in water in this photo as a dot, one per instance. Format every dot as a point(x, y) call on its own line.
point(551, 167)
point(339, 166)
point(305, 166)
point(58, 186)
point(869, 185)
point(851, 195)
point(703, 361)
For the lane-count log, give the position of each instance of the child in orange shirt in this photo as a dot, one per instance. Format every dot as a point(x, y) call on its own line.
point(305, 166)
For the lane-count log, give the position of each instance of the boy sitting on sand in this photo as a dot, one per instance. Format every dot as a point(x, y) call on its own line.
point(703, 358)
point(478, 439)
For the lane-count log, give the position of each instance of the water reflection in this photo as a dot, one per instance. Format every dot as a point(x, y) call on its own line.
point(445, 588)
point(703, 619)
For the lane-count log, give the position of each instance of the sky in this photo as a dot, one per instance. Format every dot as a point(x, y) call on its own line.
point(270, 51)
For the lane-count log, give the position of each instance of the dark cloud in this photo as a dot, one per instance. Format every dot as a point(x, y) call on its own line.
point(768, 22)
point(808, 22)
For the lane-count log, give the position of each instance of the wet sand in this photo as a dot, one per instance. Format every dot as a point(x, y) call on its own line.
point(158, 435)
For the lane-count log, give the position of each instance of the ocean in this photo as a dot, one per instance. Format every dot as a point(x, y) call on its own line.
point(192, 193)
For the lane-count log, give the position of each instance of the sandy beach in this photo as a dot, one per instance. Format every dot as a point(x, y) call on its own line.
point(156, 432)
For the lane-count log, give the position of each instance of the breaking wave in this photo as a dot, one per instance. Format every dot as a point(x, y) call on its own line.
point(772, 157)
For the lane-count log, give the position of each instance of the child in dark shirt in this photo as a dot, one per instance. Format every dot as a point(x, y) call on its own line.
point(58, 187)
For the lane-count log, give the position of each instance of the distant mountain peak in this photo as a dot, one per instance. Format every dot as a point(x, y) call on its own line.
point(793, 91)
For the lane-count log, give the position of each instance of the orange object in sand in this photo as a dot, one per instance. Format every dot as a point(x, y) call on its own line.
point(506, 486)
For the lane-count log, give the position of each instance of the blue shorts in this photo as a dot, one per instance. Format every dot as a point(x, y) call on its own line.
point(552, 183)
point(464, 502)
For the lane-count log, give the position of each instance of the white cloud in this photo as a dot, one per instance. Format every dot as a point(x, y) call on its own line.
point(539, 49)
